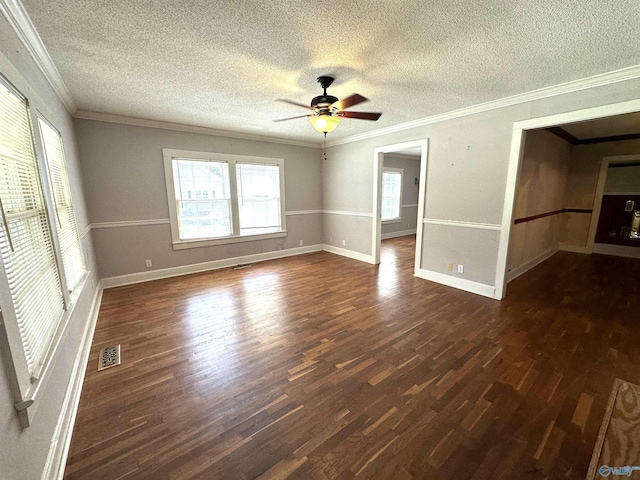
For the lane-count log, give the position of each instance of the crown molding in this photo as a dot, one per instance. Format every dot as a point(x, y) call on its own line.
point(19, 20)
point(599, 80)
point(143, 122)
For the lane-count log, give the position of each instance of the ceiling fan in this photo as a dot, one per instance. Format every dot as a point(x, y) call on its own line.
point(327, 110)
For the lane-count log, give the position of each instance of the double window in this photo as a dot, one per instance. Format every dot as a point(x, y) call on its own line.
point(42, 262)
point(391, 194)
point(221, 198)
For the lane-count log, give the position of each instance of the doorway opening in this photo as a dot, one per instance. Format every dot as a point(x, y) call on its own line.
point(399, 176)
point(539, 218)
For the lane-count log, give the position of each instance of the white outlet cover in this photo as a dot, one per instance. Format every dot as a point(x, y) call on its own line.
point(460, 268)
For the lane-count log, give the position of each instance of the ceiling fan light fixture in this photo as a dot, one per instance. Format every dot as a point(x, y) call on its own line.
point(324, 123)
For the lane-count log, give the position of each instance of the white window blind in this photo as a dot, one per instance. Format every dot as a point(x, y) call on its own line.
point(203, 198)
point(25, 237)
point(258, 198)
point(221, 198)
point(70, 246)
point(391, 195)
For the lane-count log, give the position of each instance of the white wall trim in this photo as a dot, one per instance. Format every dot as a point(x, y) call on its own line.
point(303, 212)
point(351, 214)
point(166, 221)
point(456, 282)
point(456, 223)
point(19, 20)
point(622, 194)
point(410, 206)
point(85, 231)
point(563, 247)
point(144, 122)
point(525, 267)
point(348, 253)
point(131, 223)
point(61, 440)
point(401, 233)
point(602, 79)
point(148, 276)
point(616, 250)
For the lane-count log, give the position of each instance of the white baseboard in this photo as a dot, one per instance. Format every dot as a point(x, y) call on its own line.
point(616, 250)
point(459, 283)
point(348, 253)
point(61, 440)
point(573, 248)
point(516, 272)
point(401, 233)
point(139, 277)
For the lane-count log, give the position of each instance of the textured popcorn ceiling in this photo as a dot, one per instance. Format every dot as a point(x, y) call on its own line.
point(221, 64)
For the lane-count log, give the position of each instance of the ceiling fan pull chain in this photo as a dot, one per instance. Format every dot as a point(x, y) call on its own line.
point(324, 146)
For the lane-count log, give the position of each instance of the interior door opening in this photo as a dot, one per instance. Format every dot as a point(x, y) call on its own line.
point(399, 192)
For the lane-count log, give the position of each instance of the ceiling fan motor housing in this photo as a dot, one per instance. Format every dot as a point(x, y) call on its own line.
point(323, 101)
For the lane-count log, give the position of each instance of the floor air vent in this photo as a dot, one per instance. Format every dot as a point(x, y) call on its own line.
point(109, 357)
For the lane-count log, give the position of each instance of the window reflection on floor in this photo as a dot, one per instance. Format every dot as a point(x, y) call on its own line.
point(391, 266)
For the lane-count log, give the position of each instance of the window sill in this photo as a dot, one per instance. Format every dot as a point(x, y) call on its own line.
point(33, 396)
point(209, 242)
point(392, 220)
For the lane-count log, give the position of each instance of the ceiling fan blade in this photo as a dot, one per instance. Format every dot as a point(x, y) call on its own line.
point(291, 102)
point(360, 115)
point(350, 101)
point(292, 118)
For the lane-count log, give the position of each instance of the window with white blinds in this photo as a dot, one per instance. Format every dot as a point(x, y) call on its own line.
point(391, 193)
point(70, 246)
point(219, 198)
point(25, 237)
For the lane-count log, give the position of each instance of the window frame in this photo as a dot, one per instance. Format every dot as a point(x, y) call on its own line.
point(69, 292)
point(397, 219)
point(26, 387)
point(169, 155)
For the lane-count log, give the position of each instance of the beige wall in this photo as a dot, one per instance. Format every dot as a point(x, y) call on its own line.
point(124, 180)
point(23, 453)
point(540, 189)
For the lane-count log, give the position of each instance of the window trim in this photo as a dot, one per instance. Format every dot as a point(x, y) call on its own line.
point(232, 159)
point(397, 219)
point(52, 207)
point(26, 387)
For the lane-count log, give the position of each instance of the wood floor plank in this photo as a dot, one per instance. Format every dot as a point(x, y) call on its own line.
point(322, 367)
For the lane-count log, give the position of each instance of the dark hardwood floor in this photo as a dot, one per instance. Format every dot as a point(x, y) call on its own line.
point(322, 367)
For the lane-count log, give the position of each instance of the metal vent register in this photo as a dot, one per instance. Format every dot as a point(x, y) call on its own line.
point(109, 357)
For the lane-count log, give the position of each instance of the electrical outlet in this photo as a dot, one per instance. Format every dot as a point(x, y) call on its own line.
point(149, 264)
point(331, 239)
point(449, 267)
point(460, 268)
point(344, 243)
point(301, 242)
